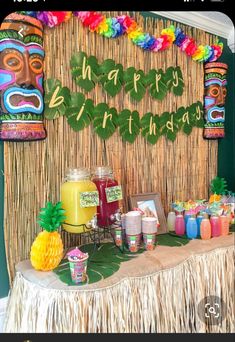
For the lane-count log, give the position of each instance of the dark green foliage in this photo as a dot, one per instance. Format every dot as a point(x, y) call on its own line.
point(218, 185)
point(51, 217)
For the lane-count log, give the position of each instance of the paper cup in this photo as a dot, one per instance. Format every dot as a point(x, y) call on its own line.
point(118, 236)
point(78, 270)
point(149, 225)
point(133, 223)
point(149, 241)
point(133, 242)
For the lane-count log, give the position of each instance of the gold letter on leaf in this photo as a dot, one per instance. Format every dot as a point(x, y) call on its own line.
point(152, 127)
point(86, 70)
point(80, 112)
point(176, 78)
point(158, 77)
point(198, 112)
point(113, 75)
point(169, 124)
point(136, 79)
point(106, 117)
point(130, 119)
point(56, 101)
point(185, 117)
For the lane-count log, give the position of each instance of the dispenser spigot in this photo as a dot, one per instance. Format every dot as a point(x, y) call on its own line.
point(117, 216)
point(92, 224)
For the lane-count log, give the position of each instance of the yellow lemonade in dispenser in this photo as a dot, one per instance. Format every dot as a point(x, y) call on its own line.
point(79, 197)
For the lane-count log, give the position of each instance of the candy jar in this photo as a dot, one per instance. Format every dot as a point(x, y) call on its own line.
point(79, 197)
point(110, 193)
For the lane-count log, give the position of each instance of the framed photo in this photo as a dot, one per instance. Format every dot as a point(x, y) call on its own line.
point(150, 204)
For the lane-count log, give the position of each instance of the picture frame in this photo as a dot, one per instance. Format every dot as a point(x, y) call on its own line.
point(150, 203)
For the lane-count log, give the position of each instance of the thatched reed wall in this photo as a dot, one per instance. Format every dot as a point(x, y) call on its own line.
point(34, 171)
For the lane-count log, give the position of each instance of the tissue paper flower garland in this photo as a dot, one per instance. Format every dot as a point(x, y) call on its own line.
point(49, 18)
point(120, 25)
point(114, 27)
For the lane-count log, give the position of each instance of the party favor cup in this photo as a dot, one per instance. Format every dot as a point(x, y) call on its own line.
point(133, 223)
point(118, 236)
point(149, 241)
point(133, 242)
point(149, 225)
point(78, 270)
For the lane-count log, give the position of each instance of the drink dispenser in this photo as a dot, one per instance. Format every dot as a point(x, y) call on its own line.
point(110, 193)
point(79, 198)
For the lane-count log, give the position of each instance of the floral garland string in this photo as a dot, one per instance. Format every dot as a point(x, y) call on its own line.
point(121, 25)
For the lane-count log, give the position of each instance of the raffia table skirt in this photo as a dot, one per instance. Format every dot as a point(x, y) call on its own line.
point(158, 291)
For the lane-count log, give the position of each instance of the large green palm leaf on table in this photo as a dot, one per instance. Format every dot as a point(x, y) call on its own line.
point(105, 260)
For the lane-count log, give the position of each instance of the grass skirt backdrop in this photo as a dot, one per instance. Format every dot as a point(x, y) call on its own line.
point(158, 291)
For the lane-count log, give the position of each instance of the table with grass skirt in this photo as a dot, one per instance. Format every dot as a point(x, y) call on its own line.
point(147, 291)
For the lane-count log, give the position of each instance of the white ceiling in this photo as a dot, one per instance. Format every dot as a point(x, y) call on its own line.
point(214, 22)
point(218, 16)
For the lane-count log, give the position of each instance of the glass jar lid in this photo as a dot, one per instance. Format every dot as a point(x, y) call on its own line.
point(75, 174)
point(102, 171)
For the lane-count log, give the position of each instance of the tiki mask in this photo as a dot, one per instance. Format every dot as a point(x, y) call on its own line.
point(215, 94)
point(21, 79)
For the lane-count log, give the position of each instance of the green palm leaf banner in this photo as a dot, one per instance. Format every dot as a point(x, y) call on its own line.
point(198, 114)
point(135, 83)
point(79, 111)
point(170, 125)
point(104, 120)
point(111, 77)
point(150, 125)
point(158, 87)
point(85, 70)
point(174, 80)
point(129, 125)
point(57, 99)
point(185, 119)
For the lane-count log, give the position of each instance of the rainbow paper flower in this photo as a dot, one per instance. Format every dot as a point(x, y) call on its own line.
point(52, 19)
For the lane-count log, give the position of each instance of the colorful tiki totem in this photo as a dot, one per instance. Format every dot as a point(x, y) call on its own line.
point(21, 79)
point(215, 93)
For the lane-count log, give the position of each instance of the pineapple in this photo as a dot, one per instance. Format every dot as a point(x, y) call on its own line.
point(47, 249)
point(218, 187)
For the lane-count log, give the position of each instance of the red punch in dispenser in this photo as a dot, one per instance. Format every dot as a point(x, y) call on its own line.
point(110, 193)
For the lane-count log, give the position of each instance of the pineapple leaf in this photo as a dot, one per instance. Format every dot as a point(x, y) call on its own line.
point(51, 216)
point(218, 185)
